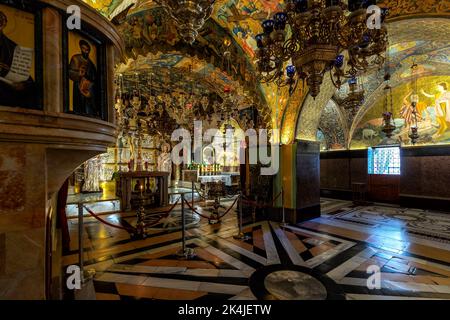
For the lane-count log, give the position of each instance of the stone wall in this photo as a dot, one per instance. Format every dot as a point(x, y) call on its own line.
point(425, 174)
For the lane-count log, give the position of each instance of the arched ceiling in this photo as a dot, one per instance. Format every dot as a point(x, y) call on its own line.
point(332, 125)
point(421, 40)
point(238, 20)
point(186, 72)
point(418, 31)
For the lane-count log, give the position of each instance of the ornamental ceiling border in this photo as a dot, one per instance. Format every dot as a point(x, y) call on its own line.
point(404, 9)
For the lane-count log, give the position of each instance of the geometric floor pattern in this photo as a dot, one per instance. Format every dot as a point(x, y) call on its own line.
point(340, 246)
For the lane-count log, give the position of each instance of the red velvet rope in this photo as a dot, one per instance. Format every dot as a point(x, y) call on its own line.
point(164, 215)
point(193, 210)
point(198, 192)
point(106, 222)
point(228, 210)
point(263, 205)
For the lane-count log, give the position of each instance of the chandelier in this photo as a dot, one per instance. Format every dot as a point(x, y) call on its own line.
point(355, 97)
point(228, 108)
point(189, 15)
point(320, 30)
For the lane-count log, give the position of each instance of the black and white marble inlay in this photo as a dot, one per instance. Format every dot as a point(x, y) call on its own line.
point(294, 285)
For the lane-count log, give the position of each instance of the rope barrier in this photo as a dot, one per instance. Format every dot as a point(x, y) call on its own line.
point(195, 211)
point(203, 216)
point(171, 208)
point(174, 205)
point(263, 205)
point(106, 222)
point(198, 192)
point(229, 209)
point(131, 228)
point(166, 214)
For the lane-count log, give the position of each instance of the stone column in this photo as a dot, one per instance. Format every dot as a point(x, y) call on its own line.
point(23, 208)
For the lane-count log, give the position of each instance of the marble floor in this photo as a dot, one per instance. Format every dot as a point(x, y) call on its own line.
point(324, 258)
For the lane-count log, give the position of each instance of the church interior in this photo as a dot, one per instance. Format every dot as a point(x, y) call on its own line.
point(224, 150)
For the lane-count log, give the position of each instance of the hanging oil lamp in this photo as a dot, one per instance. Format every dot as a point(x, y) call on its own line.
point(414, 134)
point(388, 123)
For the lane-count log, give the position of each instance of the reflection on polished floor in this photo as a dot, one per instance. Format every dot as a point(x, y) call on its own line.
point(410, 247)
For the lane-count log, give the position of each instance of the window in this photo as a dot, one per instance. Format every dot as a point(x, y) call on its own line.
point(384, 160)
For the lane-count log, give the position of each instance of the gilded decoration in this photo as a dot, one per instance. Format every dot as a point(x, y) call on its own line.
point(399, 8)
point(332, 127)
point(241, 21)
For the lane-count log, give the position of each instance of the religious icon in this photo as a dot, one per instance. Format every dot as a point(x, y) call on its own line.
point(165, 160)
point(92, 174)
point(407, 111)
point(83, 76)
point(17, 87)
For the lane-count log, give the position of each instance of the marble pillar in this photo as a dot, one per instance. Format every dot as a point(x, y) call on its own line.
point(22, 221)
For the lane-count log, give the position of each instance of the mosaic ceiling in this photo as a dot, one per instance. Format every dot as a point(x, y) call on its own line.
point(333, 128)
point(418, 38)
point(239, 21)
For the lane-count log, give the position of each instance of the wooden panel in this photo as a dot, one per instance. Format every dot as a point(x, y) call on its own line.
point(426, 176)
point(334, 173)
point(308, 174)
point(384, 188)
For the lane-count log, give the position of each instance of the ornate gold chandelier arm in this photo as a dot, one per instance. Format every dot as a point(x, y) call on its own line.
point(319, 32)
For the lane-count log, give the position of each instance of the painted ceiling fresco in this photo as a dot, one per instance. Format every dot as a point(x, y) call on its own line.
point(106, 7)
point(416, 39)
point(182, 73)
point(150, 32)
point(146, 30)
point(153, 46)
point(421, 41)
point(433, 115)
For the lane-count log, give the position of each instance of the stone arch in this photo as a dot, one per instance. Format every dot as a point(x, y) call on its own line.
point(310, 112)
point(333, 126)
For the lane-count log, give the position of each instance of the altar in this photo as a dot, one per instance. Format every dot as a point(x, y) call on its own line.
point(225, 179)
point(151, 187)
point(228, 179)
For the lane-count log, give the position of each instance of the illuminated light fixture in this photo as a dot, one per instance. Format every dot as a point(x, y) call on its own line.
point(313, 34)
point(355, 97)
point(189, 15)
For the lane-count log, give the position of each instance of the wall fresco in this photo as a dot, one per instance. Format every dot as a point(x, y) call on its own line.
point(433, 117)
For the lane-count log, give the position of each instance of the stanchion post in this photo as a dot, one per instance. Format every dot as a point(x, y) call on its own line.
point(241, 235)
point(283, 222)
point(183, 223)
point(85, 275)
point(184, 253)
point(192, 194)
point(80, 241)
